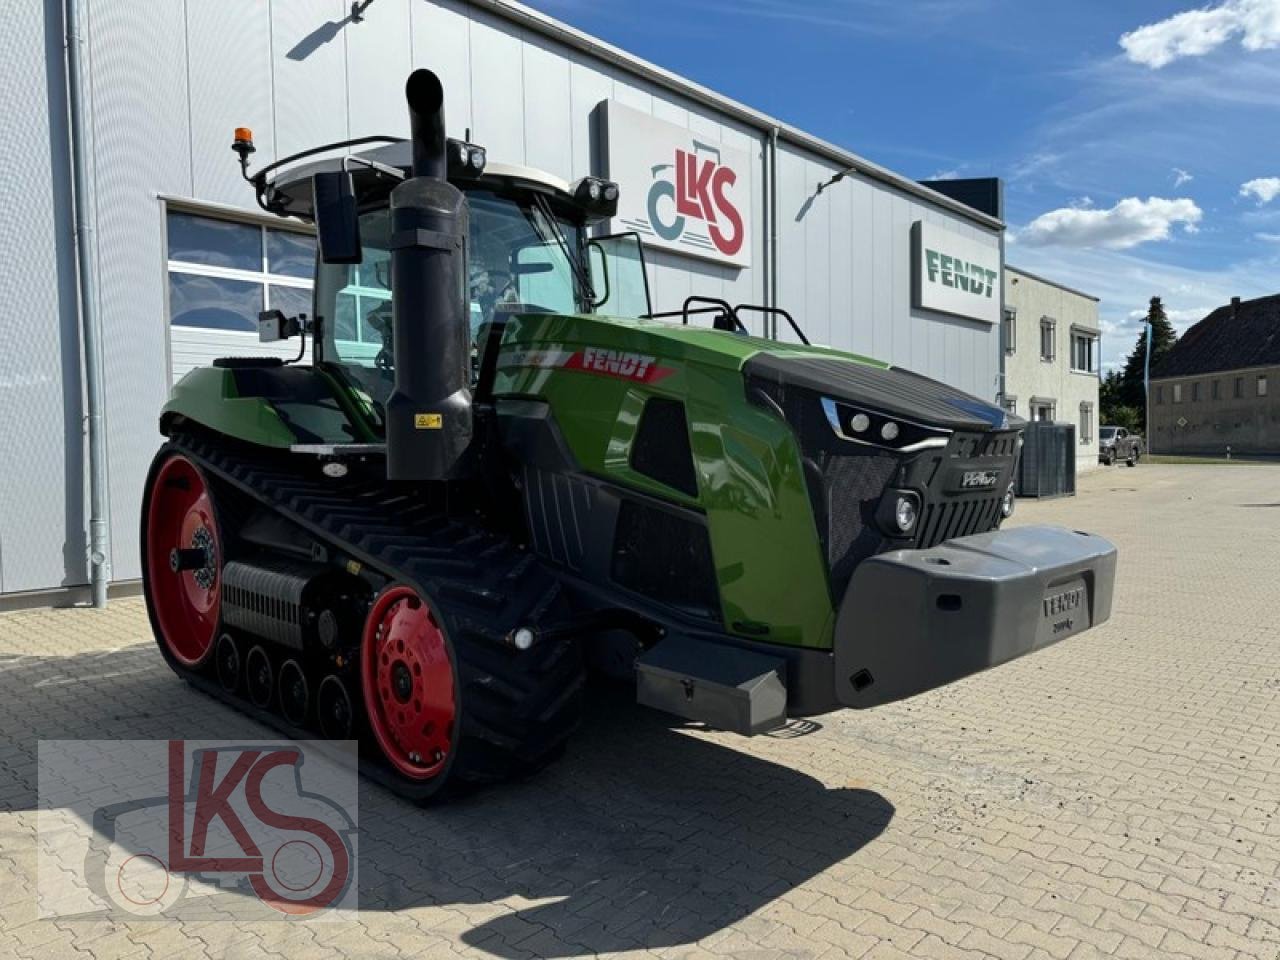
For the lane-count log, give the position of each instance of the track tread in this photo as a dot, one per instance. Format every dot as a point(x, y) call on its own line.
point(518, 706)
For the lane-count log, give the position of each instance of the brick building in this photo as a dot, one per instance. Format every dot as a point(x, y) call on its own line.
point(1220, 385)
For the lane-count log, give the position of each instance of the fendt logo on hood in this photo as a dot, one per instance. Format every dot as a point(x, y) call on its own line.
point(680, 191)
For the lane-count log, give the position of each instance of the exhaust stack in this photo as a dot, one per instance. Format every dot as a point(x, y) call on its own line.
point(429, 421)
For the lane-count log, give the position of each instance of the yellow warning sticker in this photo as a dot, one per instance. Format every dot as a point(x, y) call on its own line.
point(354, 567)
point(428, 421)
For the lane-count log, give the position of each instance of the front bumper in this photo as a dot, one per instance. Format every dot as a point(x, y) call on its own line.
point(913, 620)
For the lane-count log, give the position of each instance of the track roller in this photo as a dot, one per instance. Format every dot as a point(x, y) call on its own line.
point(227, 658)
point(333, 708)
point(260, 677)
point(295, 695)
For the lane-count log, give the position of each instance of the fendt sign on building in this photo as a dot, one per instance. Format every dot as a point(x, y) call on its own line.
point(952, 273)
point(678, 191)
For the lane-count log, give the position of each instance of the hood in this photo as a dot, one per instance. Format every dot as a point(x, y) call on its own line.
point(891, 390)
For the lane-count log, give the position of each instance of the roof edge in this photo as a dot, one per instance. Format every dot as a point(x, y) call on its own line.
point(539, 22)
point(1010, 268)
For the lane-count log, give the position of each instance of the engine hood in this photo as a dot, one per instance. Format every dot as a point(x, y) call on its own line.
point(891, 390)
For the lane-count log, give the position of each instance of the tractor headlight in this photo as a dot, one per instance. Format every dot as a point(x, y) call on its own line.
point(1006, 503)
point(905, 514)
point(477, 158)
point(898, 513)
point(859, 423)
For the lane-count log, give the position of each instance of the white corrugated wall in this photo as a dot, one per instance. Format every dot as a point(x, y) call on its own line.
point(170, 80)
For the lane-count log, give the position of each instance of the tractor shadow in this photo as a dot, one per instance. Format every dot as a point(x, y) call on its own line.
point(643, 835)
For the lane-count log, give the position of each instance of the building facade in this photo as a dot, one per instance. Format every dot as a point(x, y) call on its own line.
point(1218, 389)
point(1051, 339)
point(180, 259)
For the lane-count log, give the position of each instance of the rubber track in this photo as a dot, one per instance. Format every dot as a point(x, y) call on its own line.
point(517, 708)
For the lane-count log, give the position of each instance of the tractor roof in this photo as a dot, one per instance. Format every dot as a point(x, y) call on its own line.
point(378, 170)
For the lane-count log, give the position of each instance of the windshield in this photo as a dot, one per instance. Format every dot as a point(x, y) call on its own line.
point(520, 261)
point(1107, 433)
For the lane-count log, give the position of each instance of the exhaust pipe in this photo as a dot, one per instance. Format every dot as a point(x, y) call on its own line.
point(429, 418)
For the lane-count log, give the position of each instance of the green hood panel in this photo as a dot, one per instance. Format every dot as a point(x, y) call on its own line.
point(271, 406)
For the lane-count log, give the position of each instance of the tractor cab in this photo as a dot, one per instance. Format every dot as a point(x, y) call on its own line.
point(528, 251)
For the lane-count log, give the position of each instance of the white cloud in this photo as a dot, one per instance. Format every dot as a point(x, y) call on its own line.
point(1268, 237)
point(952, 174)
point(1265, 189)
point(1130, 222)
point(1193, 33)
point(1181, 176)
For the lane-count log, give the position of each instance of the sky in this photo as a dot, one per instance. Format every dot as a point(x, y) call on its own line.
point(1139, 142)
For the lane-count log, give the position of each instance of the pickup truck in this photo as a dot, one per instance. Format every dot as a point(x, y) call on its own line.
point(1117, 443)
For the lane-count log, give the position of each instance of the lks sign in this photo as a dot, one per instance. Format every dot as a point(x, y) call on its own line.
point(679, 191)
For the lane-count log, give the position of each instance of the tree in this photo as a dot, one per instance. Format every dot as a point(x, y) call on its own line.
point(1129, 390)
point(1113, 411)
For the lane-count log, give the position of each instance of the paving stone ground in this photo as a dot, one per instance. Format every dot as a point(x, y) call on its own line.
point(1115, 795)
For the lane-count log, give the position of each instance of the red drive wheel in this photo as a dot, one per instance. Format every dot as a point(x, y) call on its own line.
point(408, 683)
point(184, 561)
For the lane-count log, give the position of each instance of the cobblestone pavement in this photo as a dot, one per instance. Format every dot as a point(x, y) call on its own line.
point(1115, 795)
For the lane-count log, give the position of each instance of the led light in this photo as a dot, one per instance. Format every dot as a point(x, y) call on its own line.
point(611, 191)
point(477, 158)
point(335, 469)
point(859, 422)
point(522, 638)
point(460, 149)
point(904, 514)
point(889, 431)
point(1006, 502)
point(593, 189)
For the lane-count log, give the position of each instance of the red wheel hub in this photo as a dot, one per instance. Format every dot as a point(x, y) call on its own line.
point(408, 683)
point(183, 561)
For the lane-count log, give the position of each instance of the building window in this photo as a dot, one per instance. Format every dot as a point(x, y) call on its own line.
point(1083, 352)
point(1262, 385)
point(222, 273)
point(1010, 403)
point(1009, 330)
point(1159, 394)
point(1195, 392)
point(1086, 423)
point(1177, 393)
point(1048, 328)
point(1043, 410)
point(1214, 390)
point(1238, 391)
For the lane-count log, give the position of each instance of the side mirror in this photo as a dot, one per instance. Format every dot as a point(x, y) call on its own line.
point(337, 217)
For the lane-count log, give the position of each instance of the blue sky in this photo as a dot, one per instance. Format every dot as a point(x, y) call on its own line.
point(1139, 142)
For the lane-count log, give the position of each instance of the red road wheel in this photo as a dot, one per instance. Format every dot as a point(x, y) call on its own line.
point(183, 561)
point(408, 683)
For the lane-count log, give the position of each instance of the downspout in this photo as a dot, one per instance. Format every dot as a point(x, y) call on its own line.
point(90, 332)
point(772, 188)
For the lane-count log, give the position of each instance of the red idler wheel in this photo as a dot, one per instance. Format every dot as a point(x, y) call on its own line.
point(184, 561)
point(408, 683)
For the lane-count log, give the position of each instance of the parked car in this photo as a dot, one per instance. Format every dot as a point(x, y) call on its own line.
point(1117, 443)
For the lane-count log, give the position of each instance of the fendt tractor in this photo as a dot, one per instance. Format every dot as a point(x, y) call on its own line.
point(501, 469)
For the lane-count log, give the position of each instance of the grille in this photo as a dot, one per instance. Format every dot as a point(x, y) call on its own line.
point(266, 600)
point(665, 556)
point(948, 519)
point(852, 486)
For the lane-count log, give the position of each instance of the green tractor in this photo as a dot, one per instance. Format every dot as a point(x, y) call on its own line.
point(502, 470)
